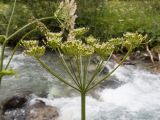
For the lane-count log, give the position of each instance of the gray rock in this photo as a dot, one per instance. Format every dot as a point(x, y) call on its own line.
point(104, 71)
point(16, 114)
point(40, 111)
point(19, 108)
point(112, 83)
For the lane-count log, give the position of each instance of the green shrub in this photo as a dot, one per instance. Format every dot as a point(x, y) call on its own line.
point(116, 17)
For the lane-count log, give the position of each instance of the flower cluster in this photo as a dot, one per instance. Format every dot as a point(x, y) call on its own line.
point(132, 40)
point(32, 48)
point(76, 48)
point(116, 41)
point(53, 40)
point(104, 49)
point(91, 40)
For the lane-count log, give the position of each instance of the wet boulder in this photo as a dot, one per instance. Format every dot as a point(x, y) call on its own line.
point(13, 108)
point(40, 111)
point(111, 83)
point(104, 71)
point(19, 108)
point(14, 102)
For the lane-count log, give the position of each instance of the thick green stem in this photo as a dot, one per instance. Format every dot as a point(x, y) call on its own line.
point(0, 80)
point(83, 106)
point(85, 72)
point(81, 71)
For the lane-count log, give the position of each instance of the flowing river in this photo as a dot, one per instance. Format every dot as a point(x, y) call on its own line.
point(138, 98)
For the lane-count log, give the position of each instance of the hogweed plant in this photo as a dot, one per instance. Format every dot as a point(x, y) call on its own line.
point(75, 54)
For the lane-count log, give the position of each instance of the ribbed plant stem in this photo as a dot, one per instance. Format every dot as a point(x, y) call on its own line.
point(0, 81)
point(83, 106)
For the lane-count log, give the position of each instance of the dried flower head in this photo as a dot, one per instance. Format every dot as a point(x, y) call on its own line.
point(66, 12)
point(40, 25)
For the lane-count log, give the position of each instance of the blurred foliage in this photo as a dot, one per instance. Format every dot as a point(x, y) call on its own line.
point(26, 11)
point(112, 18)
point(116, 17)
point(105, 18)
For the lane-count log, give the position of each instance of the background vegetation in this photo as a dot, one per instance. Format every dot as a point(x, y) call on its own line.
point(105, 18)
